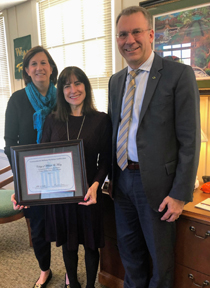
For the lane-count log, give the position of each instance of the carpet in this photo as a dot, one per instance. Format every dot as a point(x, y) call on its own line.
point(18, 265)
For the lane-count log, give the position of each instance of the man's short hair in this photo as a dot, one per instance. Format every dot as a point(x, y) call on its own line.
point(135, 9)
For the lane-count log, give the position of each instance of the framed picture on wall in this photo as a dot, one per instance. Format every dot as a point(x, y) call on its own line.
point(184, 35)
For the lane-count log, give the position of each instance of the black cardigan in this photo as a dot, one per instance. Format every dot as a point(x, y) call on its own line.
point(19, 122)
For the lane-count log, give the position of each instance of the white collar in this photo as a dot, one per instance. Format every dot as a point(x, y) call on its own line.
point(146, 66)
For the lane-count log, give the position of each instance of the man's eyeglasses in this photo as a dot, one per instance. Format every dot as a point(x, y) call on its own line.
point(135, 33)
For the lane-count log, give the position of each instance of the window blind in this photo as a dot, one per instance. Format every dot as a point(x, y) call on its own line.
point(78, 33)
point(4, 80)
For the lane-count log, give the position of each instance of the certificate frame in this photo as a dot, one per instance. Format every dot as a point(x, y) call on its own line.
point(49, 173)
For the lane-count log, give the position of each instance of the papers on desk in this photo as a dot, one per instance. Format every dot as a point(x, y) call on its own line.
point(204, 204)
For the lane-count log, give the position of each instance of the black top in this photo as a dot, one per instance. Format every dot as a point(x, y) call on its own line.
point(19, 122)
point(73, 223)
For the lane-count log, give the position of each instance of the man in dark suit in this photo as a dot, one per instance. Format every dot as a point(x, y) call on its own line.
point(155, 165)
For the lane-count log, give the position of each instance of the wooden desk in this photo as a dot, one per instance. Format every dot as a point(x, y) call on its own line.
point(192, 251)
point(111, 272)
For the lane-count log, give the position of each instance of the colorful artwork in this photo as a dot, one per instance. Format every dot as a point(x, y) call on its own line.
point(186, 35)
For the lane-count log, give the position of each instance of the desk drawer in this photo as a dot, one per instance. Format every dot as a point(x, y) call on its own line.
point(189, 278)
point(193, 245)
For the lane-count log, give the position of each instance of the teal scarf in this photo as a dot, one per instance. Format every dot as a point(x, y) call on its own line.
point(43, 105)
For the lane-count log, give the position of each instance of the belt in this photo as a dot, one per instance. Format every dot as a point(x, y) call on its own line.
point(133, 165)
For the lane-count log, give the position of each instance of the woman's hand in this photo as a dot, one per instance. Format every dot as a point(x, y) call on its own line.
point(91, 195)
point(15, 206)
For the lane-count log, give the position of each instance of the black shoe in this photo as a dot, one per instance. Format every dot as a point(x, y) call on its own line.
point(44, 285)
point(68, 285)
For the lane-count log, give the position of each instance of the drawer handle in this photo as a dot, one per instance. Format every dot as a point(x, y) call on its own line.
point(205, 283)
point(192, 228)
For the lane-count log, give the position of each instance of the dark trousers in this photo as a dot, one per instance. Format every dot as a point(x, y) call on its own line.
point(42, 249)
point(141, 235)
point(71, 261)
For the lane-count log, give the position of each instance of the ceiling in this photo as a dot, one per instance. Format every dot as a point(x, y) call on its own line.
point(9, 3)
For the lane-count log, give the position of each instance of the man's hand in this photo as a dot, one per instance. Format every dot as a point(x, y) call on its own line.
point(175, 208)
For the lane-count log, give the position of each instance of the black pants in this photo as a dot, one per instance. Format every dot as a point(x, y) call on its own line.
point(91, 261)
point(42, 249)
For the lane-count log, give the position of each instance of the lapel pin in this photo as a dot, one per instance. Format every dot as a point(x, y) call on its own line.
point(153, 77)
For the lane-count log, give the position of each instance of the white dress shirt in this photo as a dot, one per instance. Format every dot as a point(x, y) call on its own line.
point(141, 84)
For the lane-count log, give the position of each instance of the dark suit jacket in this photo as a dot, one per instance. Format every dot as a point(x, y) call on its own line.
point(168, 135)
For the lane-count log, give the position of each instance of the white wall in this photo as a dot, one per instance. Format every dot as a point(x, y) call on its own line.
point(127, 3)
point(21, 20)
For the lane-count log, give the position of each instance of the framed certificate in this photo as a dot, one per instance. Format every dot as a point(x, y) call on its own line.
point(49, 173)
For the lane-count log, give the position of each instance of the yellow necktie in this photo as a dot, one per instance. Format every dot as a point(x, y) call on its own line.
point(122, 141)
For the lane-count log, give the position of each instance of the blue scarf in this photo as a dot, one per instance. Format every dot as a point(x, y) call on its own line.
point(43, 105)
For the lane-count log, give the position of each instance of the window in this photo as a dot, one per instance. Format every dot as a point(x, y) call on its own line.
point(4, 80)
point(78, 33)
point(182, 51)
